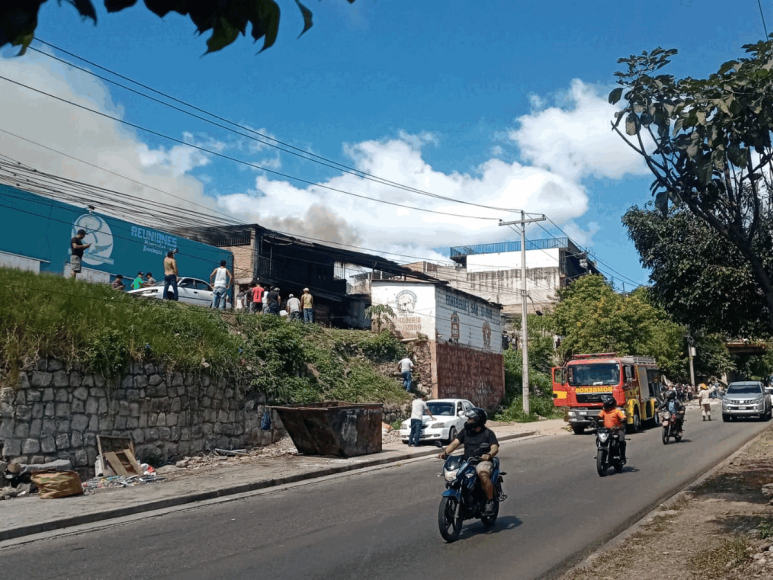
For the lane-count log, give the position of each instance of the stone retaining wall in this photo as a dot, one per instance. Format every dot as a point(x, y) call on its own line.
point(57, 412)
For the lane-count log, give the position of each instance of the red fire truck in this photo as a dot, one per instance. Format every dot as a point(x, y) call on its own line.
point(634, 382)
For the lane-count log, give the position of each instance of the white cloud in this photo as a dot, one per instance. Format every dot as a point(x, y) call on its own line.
point(576, 140)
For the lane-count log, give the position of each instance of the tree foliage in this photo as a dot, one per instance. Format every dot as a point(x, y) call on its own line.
point(703, 281)
point(708, 144)
point(225, 18)
point(592, 317)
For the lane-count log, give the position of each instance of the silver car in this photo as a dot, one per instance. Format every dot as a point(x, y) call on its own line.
point(745, 399)
point(189, 291)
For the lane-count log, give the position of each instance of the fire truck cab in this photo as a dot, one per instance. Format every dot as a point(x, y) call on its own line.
point(633, 381)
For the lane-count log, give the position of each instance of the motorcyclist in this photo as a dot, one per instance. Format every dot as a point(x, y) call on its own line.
point(474, 435)
point(673, 405)
point(614, 420)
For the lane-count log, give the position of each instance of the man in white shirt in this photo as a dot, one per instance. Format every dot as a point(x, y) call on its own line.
point(418, 408)
point(222, 282)
point(293, 307)
point(405, 367)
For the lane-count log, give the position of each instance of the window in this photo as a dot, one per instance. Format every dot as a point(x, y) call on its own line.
point(594, 374)
point(202, 285)
point(459, 407)
point(186, 283)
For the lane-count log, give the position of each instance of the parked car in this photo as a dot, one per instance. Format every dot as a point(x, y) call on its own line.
point(189, 291)
point(448, 421)
point(745, 399)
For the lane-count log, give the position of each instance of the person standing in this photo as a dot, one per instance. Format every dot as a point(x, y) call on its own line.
point(76, 252)
point(307, 304)
point(222, 282)
point(118, 283)
point(170, 275)
point(138, 281)
point(293, 307)
point(149, 280)
point(257, 298)
point(418, 408)
point(405, 367)
point(704, 400)
point(273, 301)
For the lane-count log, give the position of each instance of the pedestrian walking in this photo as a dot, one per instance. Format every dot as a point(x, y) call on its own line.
point(222, 282)
point(418, 408)
point(307, 304)
point(257, 297)
point(264, 299)
point(149, 280)
point(138, 281)
point(170, 276)
point(118, 283)
point(76, 252)
point(293, 307)
point(704, 401)
point(274, 299)
point(405, 367)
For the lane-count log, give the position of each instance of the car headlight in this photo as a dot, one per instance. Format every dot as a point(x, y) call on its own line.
point(759, 400)
point(450, 475)
point(572, 413)
point(436, 425)
point(405, 425)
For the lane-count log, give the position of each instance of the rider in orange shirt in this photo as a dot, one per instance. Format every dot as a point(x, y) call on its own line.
point(614, 419)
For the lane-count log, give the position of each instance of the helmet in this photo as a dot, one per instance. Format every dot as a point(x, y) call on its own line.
point(476, 417)
point(703, 386)
point(609, 403)
point(671, 395)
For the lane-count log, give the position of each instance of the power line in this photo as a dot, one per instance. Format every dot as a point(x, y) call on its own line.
point(236, 160)
point(764, 26)
point(264, 139)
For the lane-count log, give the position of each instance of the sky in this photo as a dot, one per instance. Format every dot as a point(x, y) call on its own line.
point(501, 104)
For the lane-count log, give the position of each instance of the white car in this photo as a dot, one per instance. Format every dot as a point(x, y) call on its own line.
point(448, 421)
point(189, 291)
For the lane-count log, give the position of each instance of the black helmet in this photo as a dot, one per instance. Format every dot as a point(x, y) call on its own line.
point(476, 417)
point(609, 402)
point(671, 395)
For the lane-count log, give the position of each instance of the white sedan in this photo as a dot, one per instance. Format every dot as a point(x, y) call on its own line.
point(189, 291)
point(448, 421)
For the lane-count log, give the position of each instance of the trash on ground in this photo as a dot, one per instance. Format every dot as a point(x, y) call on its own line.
point(54, 484)
point(100, 484)
point(231, 451)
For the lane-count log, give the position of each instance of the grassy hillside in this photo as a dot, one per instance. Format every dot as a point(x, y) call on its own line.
point(43, 315)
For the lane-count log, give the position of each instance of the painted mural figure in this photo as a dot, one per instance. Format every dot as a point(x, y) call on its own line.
point(170, 275)
point(76, 252)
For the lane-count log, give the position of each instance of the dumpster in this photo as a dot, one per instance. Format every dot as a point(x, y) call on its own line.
point(334, 427)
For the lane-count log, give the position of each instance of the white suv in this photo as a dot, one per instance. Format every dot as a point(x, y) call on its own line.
point(744, 399)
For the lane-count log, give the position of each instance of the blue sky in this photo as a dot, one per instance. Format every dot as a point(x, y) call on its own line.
point(501, 103)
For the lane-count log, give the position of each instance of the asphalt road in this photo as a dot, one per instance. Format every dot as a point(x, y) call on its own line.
point(383, 524)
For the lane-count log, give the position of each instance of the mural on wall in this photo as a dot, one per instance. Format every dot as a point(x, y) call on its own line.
point(455, 325)
point(153, 241)
point(487, 334)
point(99, 235)
point(406, 302)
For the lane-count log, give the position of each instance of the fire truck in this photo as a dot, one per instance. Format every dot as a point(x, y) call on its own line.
point(633, 381)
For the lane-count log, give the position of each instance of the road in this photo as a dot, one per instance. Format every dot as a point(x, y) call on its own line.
point(383, 524)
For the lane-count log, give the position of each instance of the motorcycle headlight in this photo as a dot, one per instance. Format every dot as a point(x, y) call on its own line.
point(603, 437)
point(450, 475)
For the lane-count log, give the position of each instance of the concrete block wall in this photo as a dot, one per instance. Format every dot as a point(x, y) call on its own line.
point(56, 412)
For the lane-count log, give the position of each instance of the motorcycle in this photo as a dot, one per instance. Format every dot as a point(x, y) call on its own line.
point(670, 422)
point(464, 498)
point(607, 451)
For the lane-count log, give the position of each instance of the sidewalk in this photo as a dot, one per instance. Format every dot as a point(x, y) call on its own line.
point(30, 515)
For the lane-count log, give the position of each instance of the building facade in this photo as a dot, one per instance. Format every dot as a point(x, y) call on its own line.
point(458, 334)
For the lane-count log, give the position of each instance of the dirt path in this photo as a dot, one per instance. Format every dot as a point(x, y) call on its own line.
point(721, 529)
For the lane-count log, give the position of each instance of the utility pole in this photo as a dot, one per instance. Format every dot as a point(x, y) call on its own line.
point(524, 306)
point(691, 353)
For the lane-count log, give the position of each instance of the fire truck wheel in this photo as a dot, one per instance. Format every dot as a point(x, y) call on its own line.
point(635, 427)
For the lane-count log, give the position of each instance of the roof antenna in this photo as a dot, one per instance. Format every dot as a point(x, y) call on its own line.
point(91, 208)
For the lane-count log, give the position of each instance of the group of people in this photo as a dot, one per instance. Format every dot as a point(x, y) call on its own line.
point(259, 300)
point(142, 280)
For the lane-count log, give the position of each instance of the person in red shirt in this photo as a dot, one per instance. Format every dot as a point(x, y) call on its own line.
point(614, 420)
point(257, 298)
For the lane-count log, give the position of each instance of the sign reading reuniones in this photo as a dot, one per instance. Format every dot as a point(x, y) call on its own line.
point(99, 235)
point(154, 241)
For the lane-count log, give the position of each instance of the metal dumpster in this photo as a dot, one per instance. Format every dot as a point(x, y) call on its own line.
point(334, 427)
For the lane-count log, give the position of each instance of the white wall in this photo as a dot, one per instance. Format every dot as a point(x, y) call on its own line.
point(413, 304)
point(509, 260)
point(479, 322)
point(19, 262)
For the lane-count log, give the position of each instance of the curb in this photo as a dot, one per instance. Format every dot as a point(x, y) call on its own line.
point(668, 500)
point(68, 522)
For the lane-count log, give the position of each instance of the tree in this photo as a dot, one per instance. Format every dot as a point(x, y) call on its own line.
point(593, 318)
point(379, 314)
point(708, 144)
point(703, 281)
point(225, 18)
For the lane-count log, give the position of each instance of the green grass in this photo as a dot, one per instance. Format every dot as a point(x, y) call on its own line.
point(44, 315)
point(539, 406)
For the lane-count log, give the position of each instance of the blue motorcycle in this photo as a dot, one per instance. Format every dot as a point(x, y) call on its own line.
point(464, 499)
